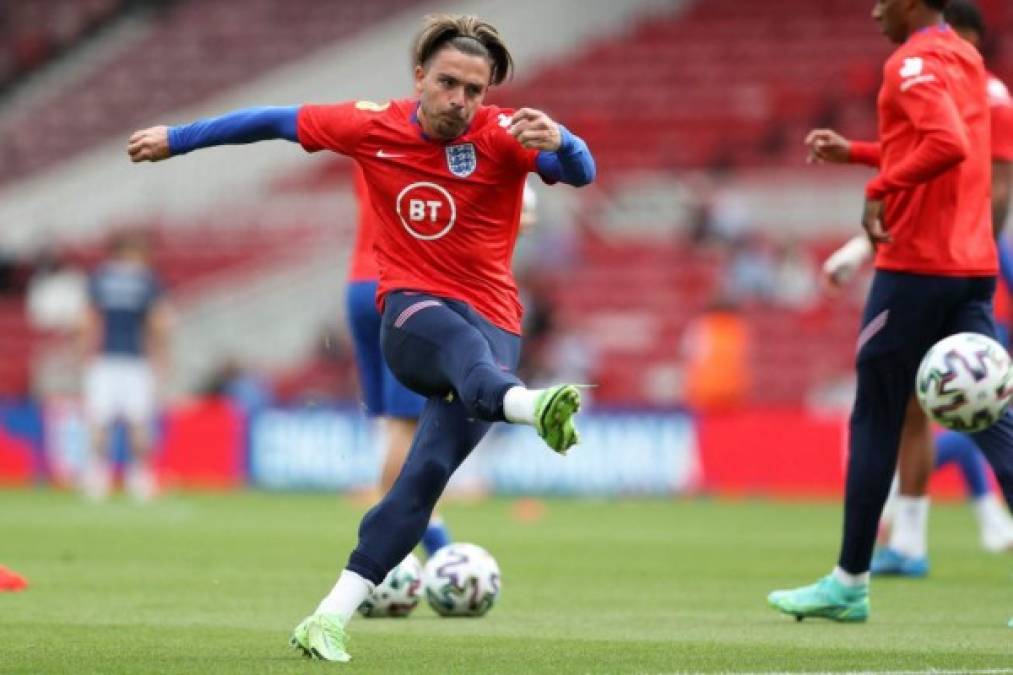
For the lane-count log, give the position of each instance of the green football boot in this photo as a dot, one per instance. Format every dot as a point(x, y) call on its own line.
point(554, 411)
point(321, 636)
point(826, 599)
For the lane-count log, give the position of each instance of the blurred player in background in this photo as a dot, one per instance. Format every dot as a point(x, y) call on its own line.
point(906, 514)
point(445, 178)
point(928, 214)
point(125, 339)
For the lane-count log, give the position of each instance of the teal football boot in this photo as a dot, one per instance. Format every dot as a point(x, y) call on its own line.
point(826, 599)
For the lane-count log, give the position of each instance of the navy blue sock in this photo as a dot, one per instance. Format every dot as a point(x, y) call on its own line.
point(952, 446)
point(435, 537)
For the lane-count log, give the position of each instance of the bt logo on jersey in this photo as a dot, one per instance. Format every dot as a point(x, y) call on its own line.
point(427, 211)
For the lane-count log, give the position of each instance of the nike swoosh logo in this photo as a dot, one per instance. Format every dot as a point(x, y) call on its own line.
point(386, 155)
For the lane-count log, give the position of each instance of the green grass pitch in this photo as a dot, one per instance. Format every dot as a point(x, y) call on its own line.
point(214, 584)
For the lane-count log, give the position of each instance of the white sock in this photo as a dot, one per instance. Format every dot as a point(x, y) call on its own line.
point(851, 580)
point(346, 596)
point(909, 535)
point(994, 523)
point(519, 404)
point(989, 511)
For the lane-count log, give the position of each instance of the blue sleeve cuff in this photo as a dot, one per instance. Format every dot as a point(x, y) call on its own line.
point(572, 163)
point(567, 141)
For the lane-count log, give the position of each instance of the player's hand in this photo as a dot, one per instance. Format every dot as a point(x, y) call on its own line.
point(826, 145)
point(149, 145)
point(872, 221)
point(535, 130)
point(837, 273)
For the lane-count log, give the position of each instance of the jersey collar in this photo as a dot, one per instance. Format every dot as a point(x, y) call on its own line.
point(941, 27)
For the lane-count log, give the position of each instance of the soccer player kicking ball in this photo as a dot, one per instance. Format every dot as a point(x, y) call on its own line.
point(928, 215)
point(396, 407)
point(445, 175)
point(905, 553)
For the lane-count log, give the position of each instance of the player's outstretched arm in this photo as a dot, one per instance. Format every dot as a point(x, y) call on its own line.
point(828, 146)
point(563, 156)
point(248, 125)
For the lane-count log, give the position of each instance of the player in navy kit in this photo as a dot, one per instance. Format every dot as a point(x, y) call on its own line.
point(125, 342)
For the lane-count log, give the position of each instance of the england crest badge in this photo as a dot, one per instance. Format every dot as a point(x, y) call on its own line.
point(462, 159)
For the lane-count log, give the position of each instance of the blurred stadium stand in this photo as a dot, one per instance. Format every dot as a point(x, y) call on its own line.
point(190, 50)
point(34, 32)
point(684, 103)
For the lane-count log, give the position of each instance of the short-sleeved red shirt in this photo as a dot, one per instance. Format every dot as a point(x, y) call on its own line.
point(447, 212)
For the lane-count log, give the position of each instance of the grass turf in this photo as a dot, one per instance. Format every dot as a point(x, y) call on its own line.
point(214, 584)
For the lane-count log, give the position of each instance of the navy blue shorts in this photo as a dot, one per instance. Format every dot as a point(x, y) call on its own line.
point(382, 394)
point(906, 314)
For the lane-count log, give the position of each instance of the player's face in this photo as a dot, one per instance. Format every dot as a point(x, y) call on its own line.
point(450, 90)
point(891, 15)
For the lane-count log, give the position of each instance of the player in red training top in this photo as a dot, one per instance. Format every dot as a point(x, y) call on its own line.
point(906, 513)
point(928, 214)
point(395, 406)
point(445, 175)
point(383, 396)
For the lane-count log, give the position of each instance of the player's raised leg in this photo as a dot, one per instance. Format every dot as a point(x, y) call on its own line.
point(427, 325)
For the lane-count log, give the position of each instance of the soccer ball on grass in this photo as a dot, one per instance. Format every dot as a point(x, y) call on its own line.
point(399, 593)
point(461, 580)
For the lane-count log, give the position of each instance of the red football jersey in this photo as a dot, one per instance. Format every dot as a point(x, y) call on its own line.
point(447, 212)
point(935, 176)
point(1001, 105)
point(362, 266)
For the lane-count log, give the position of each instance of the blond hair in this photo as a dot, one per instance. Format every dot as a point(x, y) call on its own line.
point(468, 34)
